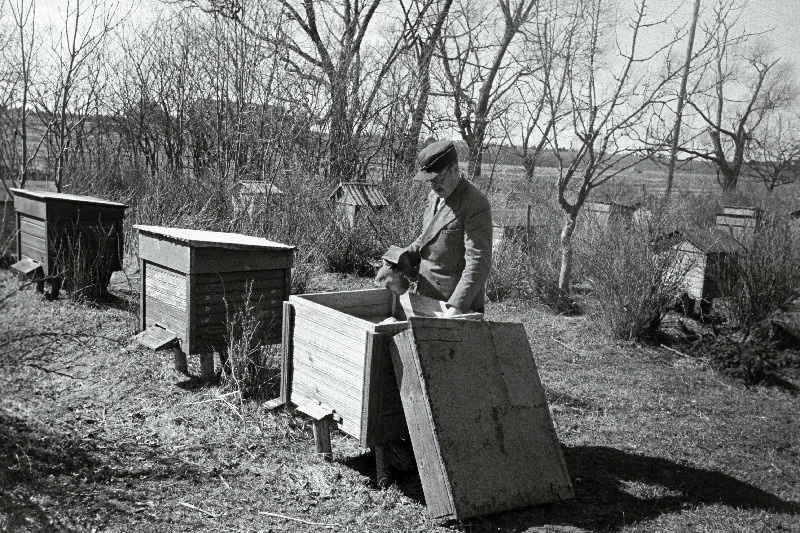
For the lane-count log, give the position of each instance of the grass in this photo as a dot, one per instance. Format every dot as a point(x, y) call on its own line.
point(99, 434)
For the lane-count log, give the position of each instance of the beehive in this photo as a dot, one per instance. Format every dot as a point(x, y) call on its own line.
point(336, 354)
point(192, 281)
point(60, 232)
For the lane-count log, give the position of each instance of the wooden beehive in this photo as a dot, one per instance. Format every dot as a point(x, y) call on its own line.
point(740, 222)
point(336, 354)
point(56, 230)
point(478, 418)
point(192, 281)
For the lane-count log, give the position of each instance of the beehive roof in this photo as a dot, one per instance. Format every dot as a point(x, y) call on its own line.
point(359, 193)
point(707, 240)
point(48, 195)
point(213, 239)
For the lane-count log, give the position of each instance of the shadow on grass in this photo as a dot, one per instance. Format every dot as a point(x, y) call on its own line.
point(614, 488)
point(63, 482)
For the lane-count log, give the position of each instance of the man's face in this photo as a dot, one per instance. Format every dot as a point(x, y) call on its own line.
point(447, 180)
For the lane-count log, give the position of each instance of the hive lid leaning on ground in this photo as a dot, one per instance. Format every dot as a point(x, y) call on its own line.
point(478, 418)
point(214, 239)
point(64, 197)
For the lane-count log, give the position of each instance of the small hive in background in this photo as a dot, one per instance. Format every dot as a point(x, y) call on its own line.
point(67, 238)
point(352, 198)
point(606, 214)
point(192, 281)
point(740, 222)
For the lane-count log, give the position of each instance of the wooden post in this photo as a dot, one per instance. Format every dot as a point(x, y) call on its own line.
point(322, 430)
point(322, 439)
point(383, 468)
point(207, 366)
point(180, 359)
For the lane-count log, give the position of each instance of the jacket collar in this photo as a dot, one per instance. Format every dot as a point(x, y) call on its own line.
point(445, 214)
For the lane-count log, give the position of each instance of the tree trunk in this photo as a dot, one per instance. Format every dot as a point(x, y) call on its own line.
point(565, 272)
point(676, 132)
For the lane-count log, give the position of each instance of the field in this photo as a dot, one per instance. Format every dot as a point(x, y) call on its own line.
point(97, 434)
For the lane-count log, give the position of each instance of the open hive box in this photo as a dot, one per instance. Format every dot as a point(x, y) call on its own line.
point(336, 354)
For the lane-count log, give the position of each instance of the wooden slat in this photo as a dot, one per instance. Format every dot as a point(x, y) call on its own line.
point(29, 226)
point(155, 318)
point(166, 308)
point(86, 211)
point(286, 352)
point(230, 277)
point(34, 242)
point(330, 360)
point(317, 370)
point(239, 287)
point(32, 252)
point(319, 391)
point(348, 342)
point(205, 298)
point(332, 317)
point(368, 299)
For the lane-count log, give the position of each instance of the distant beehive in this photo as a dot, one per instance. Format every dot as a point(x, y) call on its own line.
point(191, 280)
point(740, 222)
point(699, 254)
point(59, 234)
point(353, 197)
point(510, 225)
point(249, 195)
point(606, 214)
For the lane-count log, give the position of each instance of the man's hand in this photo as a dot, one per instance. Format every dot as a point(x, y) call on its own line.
point(392, 279)
point(452, 311)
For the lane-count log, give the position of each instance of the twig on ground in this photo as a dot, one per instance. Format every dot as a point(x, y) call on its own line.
point(225, 482)
point(190, 506)
point(51, 371)
point(567, 346)
point(686, 355)
point(320, 524)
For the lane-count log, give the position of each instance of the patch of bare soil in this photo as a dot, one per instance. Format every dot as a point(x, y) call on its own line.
point(97, 435)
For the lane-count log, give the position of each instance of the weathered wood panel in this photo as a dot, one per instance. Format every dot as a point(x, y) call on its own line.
point(30, 207)
point(214, 260)
point(164, 253)
point(382, 414)
point(37, 254)
point(477, 453)
point(32, 226)
point(214, 278)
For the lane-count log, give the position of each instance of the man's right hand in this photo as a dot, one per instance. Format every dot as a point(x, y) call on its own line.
point(391, 278)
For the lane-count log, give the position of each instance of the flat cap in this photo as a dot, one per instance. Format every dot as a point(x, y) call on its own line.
point(434, 158)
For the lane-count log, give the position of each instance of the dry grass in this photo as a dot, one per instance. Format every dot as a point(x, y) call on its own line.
point(95, 435)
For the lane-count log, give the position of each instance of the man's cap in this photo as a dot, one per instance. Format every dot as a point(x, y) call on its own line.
point(434, 158)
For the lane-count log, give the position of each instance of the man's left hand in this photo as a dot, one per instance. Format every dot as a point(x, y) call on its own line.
point(453, 311)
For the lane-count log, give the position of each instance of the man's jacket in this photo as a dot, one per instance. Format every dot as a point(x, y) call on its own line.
point(455, 248)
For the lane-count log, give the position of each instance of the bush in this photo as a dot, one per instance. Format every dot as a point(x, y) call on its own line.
point(509, 276)
point(251, 366)
point(634, 287)
point(352, 249)
point(763, 277)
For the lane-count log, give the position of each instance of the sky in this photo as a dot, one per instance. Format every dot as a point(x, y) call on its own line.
point(761, 15)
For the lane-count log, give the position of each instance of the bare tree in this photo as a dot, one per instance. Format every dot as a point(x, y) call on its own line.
point(70, 94)
point(478, 69)
point(613, 101)
point(746, 83)
point(326, 42)
point(775, 151)
point(541, 98)
point(676, 130)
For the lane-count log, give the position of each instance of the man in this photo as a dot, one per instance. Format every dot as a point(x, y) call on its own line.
point(454, 251)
